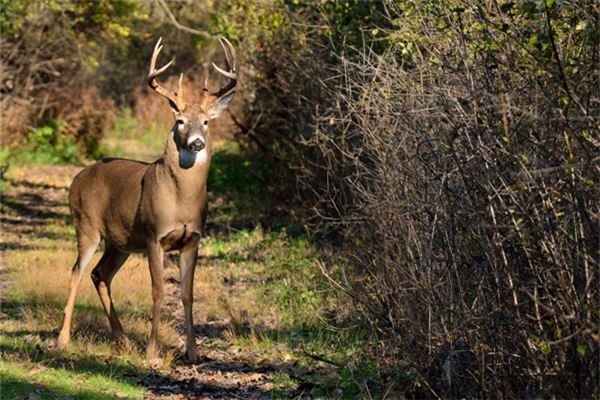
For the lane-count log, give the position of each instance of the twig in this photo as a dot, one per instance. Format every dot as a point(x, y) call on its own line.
point(320, 358)
point(248, 132)
point(351, 295)
point(176, 23)
point(561, 71)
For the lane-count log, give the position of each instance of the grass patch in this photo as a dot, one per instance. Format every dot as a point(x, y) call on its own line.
point(280, 305)
point(46, 145)
point(55, 378)
point(129, 139)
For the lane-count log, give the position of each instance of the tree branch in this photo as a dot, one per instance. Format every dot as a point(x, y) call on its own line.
point(177, 25)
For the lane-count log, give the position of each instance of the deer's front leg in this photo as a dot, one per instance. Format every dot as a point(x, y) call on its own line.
point(155, 261)
point(187, 266)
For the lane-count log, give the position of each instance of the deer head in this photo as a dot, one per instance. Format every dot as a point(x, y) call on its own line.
point(190, 131)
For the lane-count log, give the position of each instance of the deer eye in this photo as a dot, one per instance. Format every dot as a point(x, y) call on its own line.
point(179, 122)
point(205, 122)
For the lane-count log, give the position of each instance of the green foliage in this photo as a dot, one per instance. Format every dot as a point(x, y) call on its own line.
point(239, 180)
point(49, 145)
point(269, 20)
point(352, 21)
point(127, 138)
point(93, 148)
point(5, 154)
point(233, 171)
point(125, 126)
point(110, 19)
point(12, 16)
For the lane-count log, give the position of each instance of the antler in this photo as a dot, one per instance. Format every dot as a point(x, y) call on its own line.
point(175, 98)
point(230, 73)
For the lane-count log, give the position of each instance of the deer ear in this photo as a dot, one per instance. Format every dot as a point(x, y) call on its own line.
point(220, 104)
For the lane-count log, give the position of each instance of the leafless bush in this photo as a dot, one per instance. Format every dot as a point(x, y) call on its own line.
point(464, 190)
point(469, 241)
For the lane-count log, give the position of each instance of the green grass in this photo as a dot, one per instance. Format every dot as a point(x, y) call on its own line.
point(89, 370)
point(294, 307)
point(93, 368)
point(98, 381)
point(46, 145)
point(128, 139)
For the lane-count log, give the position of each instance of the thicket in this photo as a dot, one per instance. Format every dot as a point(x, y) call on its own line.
point(450, 150)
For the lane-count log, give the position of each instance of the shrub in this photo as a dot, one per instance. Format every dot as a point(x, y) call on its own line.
point(49, 144)
point(451, 155)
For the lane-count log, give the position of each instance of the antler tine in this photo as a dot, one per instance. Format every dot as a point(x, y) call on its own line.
point(153, 72)
point(229, 52)
point(180, 90)
point(175, 98)
point(229, 55)
point(230, 61)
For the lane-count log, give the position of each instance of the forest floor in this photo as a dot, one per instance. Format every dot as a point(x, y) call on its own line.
point(266, 324)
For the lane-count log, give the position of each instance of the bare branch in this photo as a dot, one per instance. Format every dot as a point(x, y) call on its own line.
point(176, 23)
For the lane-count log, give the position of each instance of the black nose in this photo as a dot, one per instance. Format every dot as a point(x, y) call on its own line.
point(197, 145)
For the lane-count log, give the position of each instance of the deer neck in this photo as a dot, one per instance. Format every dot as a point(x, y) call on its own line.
point(185, 171)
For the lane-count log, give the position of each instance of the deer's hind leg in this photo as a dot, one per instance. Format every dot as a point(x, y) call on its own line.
point(102, 276)
point(86, 247)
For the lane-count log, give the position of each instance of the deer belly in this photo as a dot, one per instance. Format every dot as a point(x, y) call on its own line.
point(126, 241)
point(177, 238)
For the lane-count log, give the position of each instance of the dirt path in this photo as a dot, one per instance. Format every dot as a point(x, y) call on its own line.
point(225, 372)
point(34, 197)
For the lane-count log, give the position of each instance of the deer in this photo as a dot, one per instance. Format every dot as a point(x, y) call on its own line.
point(153, 208)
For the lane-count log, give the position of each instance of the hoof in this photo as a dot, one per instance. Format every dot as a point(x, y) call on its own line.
point(152, 351)
point(62, 342)
point(155, 363)
point(192, 355)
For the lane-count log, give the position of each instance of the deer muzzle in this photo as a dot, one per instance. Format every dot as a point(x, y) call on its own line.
point(196, 145)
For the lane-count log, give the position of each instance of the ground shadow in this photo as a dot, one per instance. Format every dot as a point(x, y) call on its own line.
point(35, 186)
point(27, 205)
point(98, 325)
point(244, 193)
point(207, 378)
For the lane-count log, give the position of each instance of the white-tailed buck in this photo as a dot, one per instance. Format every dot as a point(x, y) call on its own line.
point(153, 208)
